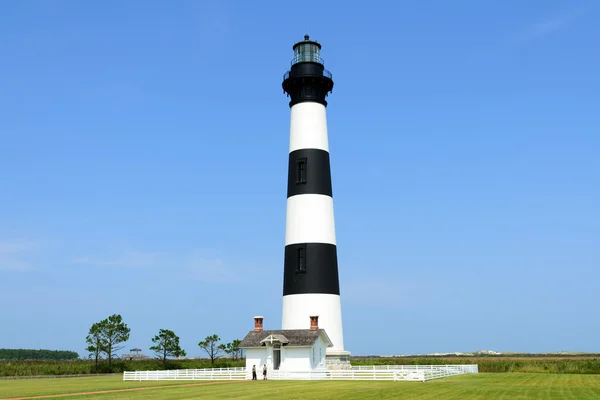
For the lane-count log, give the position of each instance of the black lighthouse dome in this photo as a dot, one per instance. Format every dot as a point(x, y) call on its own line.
point(307, 79)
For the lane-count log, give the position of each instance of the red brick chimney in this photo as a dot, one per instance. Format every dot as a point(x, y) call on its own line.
point(258, 324)
point(314, 322)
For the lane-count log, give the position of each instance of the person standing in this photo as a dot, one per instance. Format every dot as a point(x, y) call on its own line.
point(265, 372)
point(254, 373)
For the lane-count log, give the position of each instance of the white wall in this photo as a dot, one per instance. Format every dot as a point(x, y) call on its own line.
point(301, 358)
point(256, 357)
point(296, 359)
point(320, 348)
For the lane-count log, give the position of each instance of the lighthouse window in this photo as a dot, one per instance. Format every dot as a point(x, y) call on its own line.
point(301, 259)
point(301, 171)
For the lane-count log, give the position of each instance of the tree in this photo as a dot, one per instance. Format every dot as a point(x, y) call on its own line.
point(94, 340)
point(233, 348)
point(111, 332)
point(209, 344)
point(166, 344)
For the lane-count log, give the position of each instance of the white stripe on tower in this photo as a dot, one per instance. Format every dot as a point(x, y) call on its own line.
point(311, 283)
point(308, 127)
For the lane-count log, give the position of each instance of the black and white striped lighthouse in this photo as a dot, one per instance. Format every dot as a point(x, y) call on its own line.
point(310, 282)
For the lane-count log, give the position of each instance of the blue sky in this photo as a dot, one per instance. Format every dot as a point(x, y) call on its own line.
point(143, 168)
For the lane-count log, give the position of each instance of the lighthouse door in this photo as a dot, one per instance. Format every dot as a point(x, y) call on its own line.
point(276, 356)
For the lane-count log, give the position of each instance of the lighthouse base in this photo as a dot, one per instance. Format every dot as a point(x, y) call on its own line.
point(338, 359)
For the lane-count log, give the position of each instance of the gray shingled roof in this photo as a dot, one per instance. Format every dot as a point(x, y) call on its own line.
point(295, 337)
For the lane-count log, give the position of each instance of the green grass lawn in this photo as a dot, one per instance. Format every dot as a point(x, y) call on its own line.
point(512, 386)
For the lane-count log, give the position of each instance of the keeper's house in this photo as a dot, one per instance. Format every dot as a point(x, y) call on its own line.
point(298, 350)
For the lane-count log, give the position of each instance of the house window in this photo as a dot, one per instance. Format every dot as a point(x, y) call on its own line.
point(314, 355)
point(301, 170)
point(301, 259)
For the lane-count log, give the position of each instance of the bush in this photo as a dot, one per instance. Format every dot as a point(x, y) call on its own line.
point(27, 354)
point(35, 368)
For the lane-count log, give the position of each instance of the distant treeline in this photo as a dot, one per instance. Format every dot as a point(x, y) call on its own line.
point(38, 355)
point(84, 367)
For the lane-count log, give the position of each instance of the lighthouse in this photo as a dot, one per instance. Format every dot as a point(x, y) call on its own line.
point(310, 280)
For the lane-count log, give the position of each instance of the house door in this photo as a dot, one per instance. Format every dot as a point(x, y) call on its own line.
point(276, 357)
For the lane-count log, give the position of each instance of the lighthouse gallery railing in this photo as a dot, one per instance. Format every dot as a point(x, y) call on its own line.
point(326, 74)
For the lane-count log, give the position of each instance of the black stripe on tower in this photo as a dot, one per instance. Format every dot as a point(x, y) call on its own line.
point(309, 172)
point(311, 268)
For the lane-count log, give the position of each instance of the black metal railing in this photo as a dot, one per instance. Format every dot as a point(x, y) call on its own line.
point(326, 74)
point(307, 57)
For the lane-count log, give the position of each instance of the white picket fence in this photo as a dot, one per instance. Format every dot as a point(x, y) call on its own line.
point(370, 372)
point(210, 374)
point(456, 369)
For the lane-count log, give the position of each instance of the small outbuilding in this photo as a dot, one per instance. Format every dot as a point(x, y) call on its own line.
point(294, 350)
